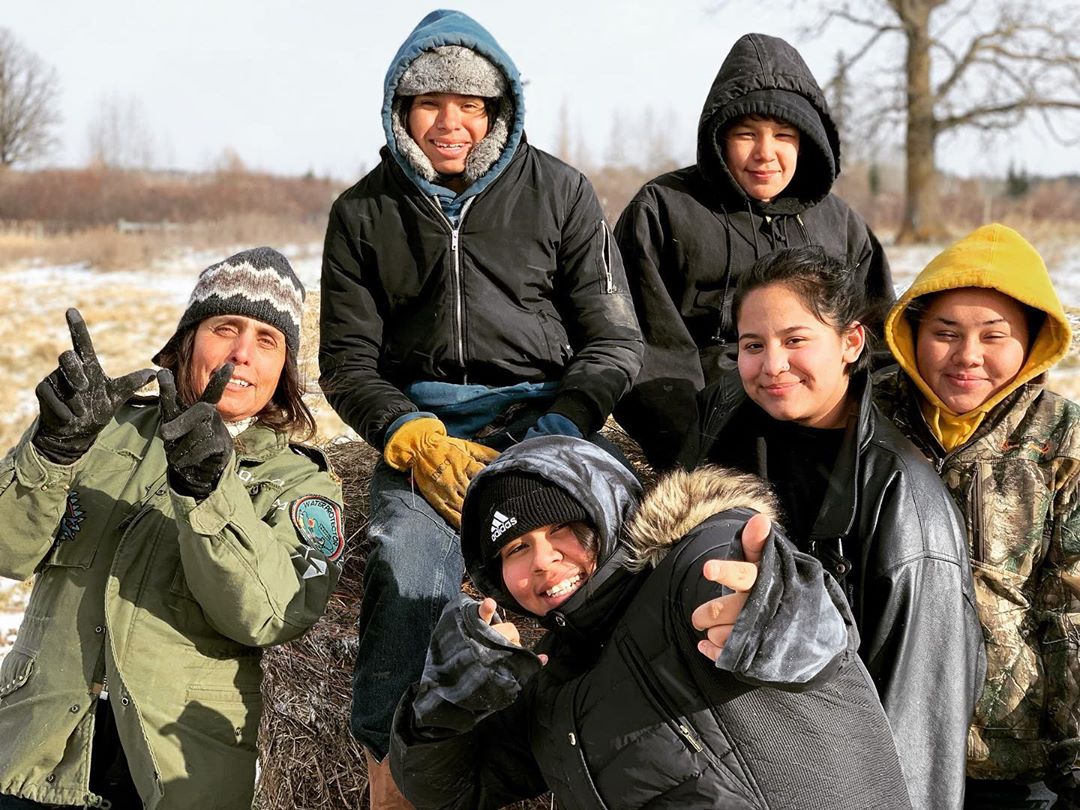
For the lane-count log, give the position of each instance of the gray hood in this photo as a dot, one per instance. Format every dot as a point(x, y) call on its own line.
point(607, 491)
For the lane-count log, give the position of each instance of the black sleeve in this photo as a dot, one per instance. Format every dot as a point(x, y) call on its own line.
point(871, 267)
point(350, 336)
point(460, 737)
point(794, 631)
point(662, 406)
point(598, 314)
point(922, 642)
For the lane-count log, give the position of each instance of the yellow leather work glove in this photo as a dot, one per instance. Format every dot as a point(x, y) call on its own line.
point(441, 465)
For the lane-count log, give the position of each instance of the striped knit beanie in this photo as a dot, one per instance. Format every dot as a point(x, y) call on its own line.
point(258, 283)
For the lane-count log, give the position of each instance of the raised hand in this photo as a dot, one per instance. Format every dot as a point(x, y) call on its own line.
point(197, 443)
point(717, 617)
point(77, 399)
point(507, 630)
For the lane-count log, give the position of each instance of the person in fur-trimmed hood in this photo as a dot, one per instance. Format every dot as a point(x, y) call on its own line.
point(616, 707)
point(974, 336)
point(768, 153)
point(470, 295)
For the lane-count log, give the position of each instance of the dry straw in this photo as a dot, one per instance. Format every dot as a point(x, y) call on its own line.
point(307, 755)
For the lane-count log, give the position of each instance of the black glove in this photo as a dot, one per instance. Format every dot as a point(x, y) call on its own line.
point(77, 400)
point(471, 672)
point(197, 443)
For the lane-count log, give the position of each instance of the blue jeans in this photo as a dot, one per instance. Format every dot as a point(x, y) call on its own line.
point(415, 568)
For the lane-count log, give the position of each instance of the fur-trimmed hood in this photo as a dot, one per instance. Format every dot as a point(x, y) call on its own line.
point(633, 533)
point(681, 500)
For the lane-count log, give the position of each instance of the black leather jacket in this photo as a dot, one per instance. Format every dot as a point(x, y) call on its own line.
point(890, 532)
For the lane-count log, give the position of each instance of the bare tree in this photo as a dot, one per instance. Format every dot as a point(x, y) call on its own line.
point(28, 91)
point(118, 136)
point(966, 65)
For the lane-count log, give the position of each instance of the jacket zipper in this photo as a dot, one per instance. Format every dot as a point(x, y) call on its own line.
point(671, 717)
point(459, 289)
point(609, 286)
point(975, 494)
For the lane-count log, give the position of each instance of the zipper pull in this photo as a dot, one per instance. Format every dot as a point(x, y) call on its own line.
point(454, 240)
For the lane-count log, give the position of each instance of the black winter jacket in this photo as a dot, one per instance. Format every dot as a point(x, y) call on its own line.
point(688, 235)
point(527, 288)
point(891, 534)
point(627, 713)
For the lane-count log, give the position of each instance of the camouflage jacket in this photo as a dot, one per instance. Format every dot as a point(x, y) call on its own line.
point(1016, 481)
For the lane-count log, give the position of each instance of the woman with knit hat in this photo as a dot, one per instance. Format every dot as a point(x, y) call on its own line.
point(170, 539)
point(974, 336)
point(615, 707)
point(471, 295)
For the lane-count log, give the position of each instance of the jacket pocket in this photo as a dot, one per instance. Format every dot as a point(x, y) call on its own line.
point(91, 500)
point(15, 671)
point(555, 338)
point(1013, 700)
point(672, 718)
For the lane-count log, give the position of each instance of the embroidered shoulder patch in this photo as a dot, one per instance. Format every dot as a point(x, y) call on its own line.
point(72, 519)
point(318, 520)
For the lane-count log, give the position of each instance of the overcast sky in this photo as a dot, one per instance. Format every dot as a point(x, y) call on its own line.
point(296, 86)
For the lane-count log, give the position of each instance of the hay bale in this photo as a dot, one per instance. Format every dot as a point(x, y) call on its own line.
point(308, 757)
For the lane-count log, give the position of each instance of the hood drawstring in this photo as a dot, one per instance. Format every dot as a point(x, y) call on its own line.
point(724, 328)
point(753, 230)
point(802, 229)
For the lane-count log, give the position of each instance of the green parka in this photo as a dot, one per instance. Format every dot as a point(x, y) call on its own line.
point(158, 601)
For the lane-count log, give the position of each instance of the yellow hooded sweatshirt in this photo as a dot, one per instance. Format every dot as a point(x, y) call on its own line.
point(998, 258)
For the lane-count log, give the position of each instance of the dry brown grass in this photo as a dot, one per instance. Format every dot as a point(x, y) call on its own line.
point(104, 247)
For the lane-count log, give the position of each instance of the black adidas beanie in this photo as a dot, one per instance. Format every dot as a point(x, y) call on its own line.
point(515, 503)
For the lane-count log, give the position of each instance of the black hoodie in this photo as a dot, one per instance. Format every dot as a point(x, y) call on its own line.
point(687, 236)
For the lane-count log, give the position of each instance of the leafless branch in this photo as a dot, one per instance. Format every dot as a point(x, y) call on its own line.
point(28, 90)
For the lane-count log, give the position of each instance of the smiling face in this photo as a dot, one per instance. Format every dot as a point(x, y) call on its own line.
point(792, 364)
point(761, 154)
point(971, 343)
point(545, 567)
point(257, 351)
point(447, 126)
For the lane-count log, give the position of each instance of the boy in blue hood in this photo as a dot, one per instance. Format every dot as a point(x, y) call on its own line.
point(471, 295)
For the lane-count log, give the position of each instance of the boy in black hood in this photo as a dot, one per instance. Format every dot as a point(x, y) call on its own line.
point(768, 154)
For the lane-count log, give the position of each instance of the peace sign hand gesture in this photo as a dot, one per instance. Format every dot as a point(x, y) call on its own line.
point(77, 399)
point(197, 443)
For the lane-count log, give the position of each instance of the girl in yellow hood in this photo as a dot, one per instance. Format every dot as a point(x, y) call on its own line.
point(974, 336)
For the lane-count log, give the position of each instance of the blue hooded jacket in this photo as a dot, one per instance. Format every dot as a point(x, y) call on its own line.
point(448, 27)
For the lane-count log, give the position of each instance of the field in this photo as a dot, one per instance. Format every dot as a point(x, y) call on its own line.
point(132, 310)
point(131, 313)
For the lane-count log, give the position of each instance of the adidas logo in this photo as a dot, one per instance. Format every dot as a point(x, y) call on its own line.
point(499, 524)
